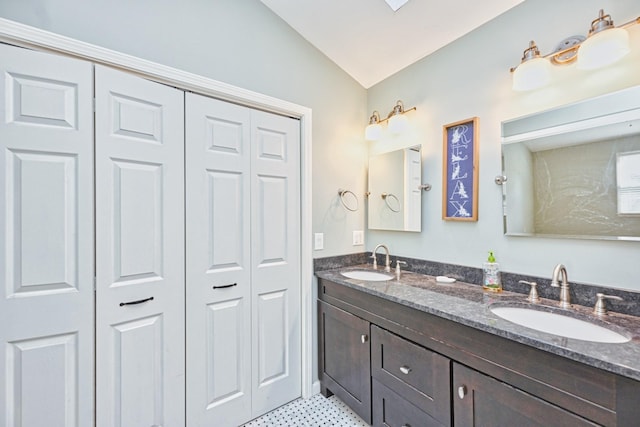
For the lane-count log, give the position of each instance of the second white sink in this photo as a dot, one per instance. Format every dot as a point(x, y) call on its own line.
point(559, 324)
point(371, 276)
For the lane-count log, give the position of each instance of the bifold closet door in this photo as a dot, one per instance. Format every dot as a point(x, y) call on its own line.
point(275, 261)
point(46, 250)
point(139, 252)
point(218, 262)
point(243, 274)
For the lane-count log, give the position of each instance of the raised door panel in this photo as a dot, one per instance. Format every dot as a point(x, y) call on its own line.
point(46, 255)
point(139, 251)
point(50, 396)
point(137, 371)
point(276, 282)
point(218, 262)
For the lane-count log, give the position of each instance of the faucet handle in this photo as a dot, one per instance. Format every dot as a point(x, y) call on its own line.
point(375, 261)
point(399, 263)
point(600, 308)
point(533, 293)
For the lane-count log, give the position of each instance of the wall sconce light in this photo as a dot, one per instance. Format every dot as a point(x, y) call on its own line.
point(604, 45)
point(398, 122)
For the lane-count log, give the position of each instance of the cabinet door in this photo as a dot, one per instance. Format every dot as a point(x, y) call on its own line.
point(46, 249)
point(139, 251)
point(480, 400)
point(345, 358)
point(218, 262)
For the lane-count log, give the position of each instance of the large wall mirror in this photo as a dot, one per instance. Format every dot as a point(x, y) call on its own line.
point(394, 190)
point(574, 171)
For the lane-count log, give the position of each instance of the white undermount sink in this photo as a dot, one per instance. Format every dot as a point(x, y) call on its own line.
point(371, 276)
point(558, 324)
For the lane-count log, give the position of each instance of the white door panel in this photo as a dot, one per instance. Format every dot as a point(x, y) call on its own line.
point(139, 251)
point(218, 263)
point(46, 255)
point(243, 274)
point(275, 273)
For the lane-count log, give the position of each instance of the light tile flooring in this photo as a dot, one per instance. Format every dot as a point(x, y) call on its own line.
point(316, 411)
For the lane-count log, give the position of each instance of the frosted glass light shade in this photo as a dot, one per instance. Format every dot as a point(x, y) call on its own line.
point(532, 74)
point(603, 48)
point(398, 123)
point(373, 132)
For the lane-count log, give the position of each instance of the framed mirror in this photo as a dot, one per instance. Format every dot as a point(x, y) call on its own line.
point(574, 171)
point(395, 199)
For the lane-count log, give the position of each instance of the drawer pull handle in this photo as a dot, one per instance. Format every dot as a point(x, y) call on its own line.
point(364, 338)
point(405, 370)
point(140, 301)
point(406, 425)
point(462, 391)
point(225, 286)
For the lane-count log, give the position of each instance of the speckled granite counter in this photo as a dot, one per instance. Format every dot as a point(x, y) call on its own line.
point(468, 305)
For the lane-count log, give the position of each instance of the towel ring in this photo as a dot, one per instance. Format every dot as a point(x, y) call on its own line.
point(386, 197)
point(348, 205)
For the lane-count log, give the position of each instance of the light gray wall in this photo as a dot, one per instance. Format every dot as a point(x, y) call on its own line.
point(470, 77)
point(240, 42)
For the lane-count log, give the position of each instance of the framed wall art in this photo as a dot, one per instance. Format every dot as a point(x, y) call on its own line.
point(460, 171)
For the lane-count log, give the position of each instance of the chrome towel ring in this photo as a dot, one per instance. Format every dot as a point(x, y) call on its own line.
point(350, 203)
point(387, 197)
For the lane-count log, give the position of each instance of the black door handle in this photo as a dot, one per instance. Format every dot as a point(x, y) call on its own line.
point(140, 301)
point(225, 286)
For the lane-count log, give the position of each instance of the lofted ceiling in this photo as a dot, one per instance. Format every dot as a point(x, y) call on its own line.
point(370, 41)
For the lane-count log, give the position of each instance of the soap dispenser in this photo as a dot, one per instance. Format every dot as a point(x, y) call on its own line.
point(491, 275)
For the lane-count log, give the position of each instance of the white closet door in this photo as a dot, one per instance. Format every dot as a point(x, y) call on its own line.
point(46, 250)
point(275, 259)
point(139, 251)
point(218, 263)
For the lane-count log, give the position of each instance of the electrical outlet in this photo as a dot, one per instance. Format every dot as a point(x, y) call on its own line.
point(358, 238)
point(318, 241)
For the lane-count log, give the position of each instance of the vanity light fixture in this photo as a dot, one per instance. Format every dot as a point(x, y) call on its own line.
point(604, 45)
point(373, 131)
point(397, 122)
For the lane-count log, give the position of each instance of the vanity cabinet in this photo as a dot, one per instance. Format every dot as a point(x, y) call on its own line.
point(424, 370)
point(345, 358)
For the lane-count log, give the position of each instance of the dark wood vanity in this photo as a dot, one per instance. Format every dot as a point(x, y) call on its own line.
point(396, 365)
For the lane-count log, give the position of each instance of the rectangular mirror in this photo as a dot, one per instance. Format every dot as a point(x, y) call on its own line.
point(574, 171)
point(395, 200)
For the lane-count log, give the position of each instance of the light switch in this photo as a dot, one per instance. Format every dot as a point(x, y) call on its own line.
point(358, 238)
point(318, 241)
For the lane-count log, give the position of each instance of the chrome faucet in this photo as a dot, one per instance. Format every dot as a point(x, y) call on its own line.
point(387, 266)
point(561, 271)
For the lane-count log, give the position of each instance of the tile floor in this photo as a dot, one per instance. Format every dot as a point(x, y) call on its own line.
point(317, 411)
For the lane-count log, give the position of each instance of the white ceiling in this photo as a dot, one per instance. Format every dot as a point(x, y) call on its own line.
point(370, 41)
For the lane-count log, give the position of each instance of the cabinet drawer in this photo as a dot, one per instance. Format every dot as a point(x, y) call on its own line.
point(418, 375)
point(391, 410)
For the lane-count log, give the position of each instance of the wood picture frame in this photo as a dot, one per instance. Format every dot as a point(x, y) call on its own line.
point(460, 170)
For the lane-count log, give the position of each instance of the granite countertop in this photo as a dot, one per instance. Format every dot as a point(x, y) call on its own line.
point(468, 305)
